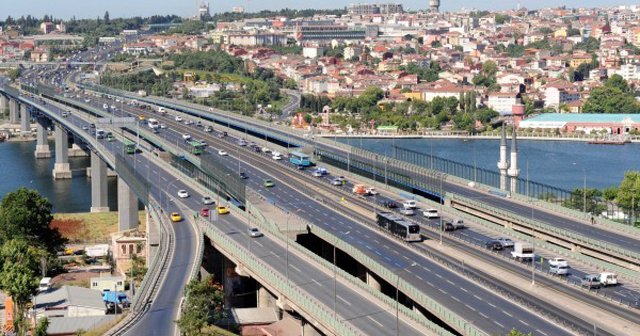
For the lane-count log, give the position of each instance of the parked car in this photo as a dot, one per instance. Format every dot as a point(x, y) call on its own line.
point(254, 233)
point(183, 193)
point(493, 245)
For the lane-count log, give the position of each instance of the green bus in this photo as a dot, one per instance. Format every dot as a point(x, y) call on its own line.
point(129, 146)
point(197, 147)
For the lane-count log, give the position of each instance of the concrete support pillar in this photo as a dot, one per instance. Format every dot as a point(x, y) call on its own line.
point(42, 142)
point(77, 151)
point(13, 111)
point(4, 105)
point(372, 281)
point(25, 120)
point(127, 207)
point(99, 196)
point(61, 169)
point(264, 298)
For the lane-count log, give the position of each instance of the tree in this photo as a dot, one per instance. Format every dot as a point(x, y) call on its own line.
point(41, 328)
point(19, 277)
point(25, 214)
point(106, 17)
point(614, 97)
point(515, 332)
point(577, 198)
point(204, 300)
point(629, 192)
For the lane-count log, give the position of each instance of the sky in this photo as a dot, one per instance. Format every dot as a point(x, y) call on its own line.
point(126, 8)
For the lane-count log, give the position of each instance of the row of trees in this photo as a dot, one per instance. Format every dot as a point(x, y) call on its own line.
point(615, 96)
point(27, 245)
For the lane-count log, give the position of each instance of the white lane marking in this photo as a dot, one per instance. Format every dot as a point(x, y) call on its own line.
point(507, 313)
point(491, 304)
point(343, 300)
point(376, 322)
point(523, 322)
point(477, 297)
point(317, 283)
point(468, 306)
point(455, 298)
point(442, 291)
point(501, 326)
point(451, 282)
point(483, 315)
point(541, 332)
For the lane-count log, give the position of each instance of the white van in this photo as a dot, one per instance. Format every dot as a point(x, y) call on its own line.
point(276, 156)
point(608, 279)
point(410, 204)
point(45, 284)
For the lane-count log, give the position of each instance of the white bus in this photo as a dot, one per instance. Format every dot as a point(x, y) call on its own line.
point(153, 123)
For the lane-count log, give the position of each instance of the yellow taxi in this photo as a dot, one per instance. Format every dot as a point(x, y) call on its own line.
point(141, 117)
point(175, 217)
point(222, 209)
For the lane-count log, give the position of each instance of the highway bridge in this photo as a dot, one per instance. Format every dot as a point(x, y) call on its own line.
point(425, 282)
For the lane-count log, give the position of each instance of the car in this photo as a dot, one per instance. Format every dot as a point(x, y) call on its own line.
point(336, 182)
point(141, 117)
point(208, 129)
point(431, 213)
point(452, 225)
point(222, 153)
point(388, 204)
point(186, 137)
point(175, 217)
point(255, 233)
point(407, 212)
point(85, 127)
point(559, 269)
point(178, 118)
point(163, 126)
point(92, 125)
point(198, 123)
point(409, 204)
point(372, 191)
point(110, 137)
point(493, 245)
point(183, 193)
point(558, 262)
point(243, 175)
point(207, 200)
point(265, 150)
point(268, 183)
point(591, 281)
point(506, 242)
point(222, 210)
point(204, 212)
point(65, 113)
point(316, 173)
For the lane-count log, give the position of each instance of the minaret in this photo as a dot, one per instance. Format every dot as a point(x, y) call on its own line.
point(513, 169)
point(503, 164)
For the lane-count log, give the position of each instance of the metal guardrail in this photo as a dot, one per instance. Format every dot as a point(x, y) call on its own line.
point(549, 229)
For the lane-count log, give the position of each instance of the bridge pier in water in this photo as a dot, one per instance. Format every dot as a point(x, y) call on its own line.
point(61, 169)
point(42, 143)
point(127, 206)
point(13, 111)
point(99, 196)
point(25, 121)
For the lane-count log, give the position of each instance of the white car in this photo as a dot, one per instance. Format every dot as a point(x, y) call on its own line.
point(266, 150)
point(183, 193)
point(407, 212)
point(276, 156)
point(506, 242)
point(222, 153)
point(254, 233)
point(372, 191)
point(207, 200)
point(431, 213)
point(558, 262)
point(186, 136)
point(163, 126)
point(178, 118)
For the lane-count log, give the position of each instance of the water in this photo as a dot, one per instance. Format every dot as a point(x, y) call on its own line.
point(562, 164)
point(19, 168)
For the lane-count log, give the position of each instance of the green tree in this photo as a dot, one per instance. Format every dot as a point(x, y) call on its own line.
point(577, 200)
point(629, 192)
point(204, 303)
point(14, 74)
point(515, 332)
point(25, 214)
point(41, 328)
point(613, 97)
point(19, 277)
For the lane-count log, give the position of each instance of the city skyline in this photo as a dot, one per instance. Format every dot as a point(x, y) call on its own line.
point(65, 9)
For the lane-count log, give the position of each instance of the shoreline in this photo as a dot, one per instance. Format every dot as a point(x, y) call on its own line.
point(462, 137)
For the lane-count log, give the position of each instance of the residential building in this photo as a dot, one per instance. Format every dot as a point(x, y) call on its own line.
point(107, 283)
point(556, 96)
point(257, 39)
point(502, 102)
point(47, 27)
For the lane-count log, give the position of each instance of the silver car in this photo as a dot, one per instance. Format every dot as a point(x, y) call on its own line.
point(407, 212)
point(559, 269)
point(254, 233)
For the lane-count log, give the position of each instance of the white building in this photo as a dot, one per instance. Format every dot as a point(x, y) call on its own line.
point(257, 39)
point(313, 52)
point(502, 102)
point(630, 71)
point(554, 96)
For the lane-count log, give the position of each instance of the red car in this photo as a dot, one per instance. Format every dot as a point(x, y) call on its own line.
point(204, 212)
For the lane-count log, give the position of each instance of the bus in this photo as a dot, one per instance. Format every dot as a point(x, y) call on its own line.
point(197, 147)
point(153, 123)
point(398, 226)
point(299, 159)
point(129, 146)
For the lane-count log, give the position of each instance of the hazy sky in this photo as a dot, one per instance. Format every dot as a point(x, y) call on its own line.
point(118, 8)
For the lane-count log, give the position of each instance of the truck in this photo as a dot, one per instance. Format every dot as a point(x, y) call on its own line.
point(522, 251)
point(608, 279)
point(359, 189)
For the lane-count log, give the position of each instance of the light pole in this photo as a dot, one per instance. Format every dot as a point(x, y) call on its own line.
point(584, 191)
point(398, 296)
point(335, 276)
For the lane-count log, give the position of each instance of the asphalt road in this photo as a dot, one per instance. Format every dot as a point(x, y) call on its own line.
point(488, 311)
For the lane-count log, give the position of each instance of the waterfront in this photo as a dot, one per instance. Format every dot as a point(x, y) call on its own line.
point(558, 163)
point(20, 168)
